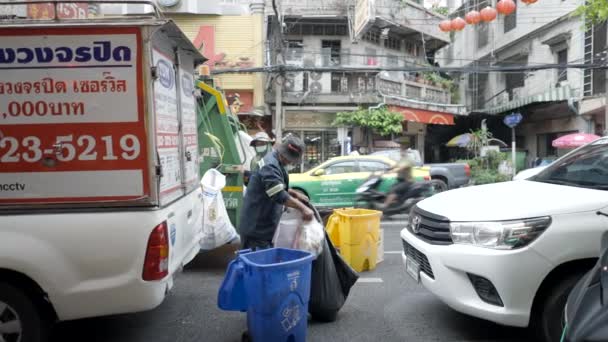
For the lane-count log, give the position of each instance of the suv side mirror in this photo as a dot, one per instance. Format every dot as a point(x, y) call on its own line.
point(319, 172)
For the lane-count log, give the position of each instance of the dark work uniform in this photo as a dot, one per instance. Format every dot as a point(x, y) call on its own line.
point(263, 203)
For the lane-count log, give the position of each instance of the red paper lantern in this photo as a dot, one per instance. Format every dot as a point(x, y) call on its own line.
point(488, 14)
point(505, 7)
point(458, 24)
point(445, 26)
point(472, 18)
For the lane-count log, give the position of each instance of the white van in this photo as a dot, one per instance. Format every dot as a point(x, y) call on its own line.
point(511, 252)
point(100, 203)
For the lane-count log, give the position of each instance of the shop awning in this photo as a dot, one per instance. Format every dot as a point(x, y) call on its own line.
point(553, 95)
point(423, 116)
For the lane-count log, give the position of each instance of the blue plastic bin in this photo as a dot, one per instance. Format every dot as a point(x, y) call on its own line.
point(273, 285)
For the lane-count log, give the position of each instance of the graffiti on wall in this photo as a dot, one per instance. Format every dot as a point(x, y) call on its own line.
point(205, 42)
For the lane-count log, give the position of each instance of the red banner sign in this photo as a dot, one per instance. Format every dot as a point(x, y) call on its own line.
point(423, 116)
point(64, 11)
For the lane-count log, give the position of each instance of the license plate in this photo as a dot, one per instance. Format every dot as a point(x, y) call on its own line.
point(413, 269)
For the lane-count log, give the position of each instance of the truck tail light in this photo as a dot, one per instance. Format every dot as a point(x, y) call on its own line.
point(467, 170)
point(427, 178)
point(156, 264)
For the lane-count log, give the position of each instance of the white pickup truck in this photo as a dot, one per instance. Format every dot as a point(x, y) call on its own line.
point(511, 252)
point(100, 203)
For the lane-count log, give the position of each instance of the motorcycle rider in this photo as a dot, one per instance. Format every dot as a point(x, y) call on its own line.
point(400, 189)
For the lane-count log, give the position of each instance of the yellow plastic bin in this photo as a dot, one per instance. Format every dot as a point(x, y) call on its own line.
point(356, 232)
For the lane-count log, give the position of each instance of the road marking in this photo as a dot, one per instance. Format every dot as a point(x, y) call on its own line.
point(393, 252)
point(398, 223)
point(370, 280)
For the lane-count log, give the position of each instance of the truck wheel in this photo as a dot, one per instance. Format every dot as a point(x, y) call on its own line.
point(439, 185)
point(20, 319)
point(548, 319)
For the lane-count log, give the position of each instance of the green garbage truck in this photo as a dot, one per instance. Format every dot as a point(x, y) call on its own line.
point(220, 145)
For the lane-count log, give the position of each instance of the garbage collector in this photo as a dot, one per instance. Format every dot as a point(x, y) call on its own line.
point(262, 144)
point(268, 192)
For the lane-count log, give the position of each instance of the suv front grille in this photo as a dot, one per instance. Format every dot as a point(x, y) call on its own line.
point(419, 257)
point(429, 227)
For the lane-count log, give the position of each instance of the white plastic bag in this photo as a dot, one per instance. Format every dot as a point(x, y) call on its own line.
point(310, 238)
point(242, 144)
point(287, 231)
point(217, 228)
point(295, 233)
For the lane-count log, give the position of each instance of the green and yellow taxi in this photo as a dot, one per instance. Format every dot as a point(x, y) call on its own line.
point(333, 183)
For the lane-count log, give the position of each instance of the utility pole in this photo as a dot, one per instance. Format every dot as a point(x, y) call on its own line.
point(278, 117)
point(606, 104)
point(278, 82)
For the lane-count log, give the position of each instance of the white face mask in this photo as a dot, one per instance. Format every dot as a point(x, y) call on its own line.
point(261, 149)
point(289, 167)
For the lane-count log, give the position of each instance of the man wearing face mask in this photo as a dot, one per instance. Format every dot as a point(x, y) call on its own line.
point(262, 144)
point(268, 192)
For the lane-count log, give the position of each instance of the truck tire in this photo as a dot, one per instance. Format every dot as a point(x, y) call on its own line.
point(548, 319)
point(439, 185)
point(20, 318)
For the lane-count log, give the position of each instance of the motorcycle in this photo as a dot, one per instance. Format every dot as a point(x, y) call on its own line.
point(368, 196)
point(586, 311)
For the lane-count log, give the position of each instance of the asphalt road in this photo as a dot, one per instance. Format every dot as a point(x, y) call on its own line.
point(386, 305)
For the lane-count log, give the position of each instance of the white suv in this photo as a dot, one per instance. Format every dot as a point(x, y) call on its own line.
point(511, 252)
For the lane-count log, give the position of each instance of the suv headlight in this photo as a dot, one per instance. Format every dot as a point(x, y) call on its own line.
point(499, 234)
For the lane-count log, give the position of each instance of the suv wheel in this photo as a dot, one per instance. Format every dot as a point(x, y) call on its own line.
point(548, 319)
point(20, 319)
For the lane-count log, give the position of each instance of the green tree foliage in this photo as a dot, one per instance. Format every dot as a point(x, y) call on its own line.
point(594, 11)
point(381, 120)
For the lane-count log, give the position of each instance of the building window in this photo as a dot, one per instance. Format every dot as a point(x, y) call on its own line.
point(392, 61)
point(370, 57)
point(511, 20)
point(483, 33)
point(372, 36)
point(562, 58)
point(600, 41)
point(295, 48)
point(330, 50)
point(392, 43)
point(411, 48)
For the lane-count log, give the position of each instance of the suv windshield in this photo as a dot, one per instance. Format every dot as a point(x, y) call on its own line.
point(586, 167)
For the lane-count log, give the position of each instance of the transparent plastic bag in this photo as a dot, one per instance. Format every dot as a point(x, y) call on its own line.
point(295, 233)
point(217, 228)
point(310, 237)
point(287, 230)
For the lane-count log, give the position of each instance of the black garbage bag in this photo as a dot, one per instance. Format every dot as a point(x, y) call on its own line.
point(331, 281)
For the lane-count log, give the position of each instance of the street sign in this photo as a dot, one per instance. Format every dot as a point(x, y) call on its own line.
point(513, 120)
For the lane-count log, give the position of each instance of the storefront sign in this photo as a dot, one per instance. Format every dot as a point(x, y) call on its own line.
point(240, 101)
point(423, 116)
point(71, 115)
point(64, 11)
point(296, 120)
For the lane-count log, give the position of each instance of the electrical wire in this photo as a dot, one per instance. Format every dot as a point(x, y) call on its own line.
point(467, 70)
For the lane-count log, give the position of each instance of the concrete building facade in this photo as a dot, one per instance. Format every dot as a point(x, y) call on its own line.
point(320, 34)
point(553, 102)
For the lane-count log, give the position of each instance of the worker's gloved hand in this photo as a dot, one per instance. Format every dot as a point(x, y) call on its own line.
point(307, 214)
